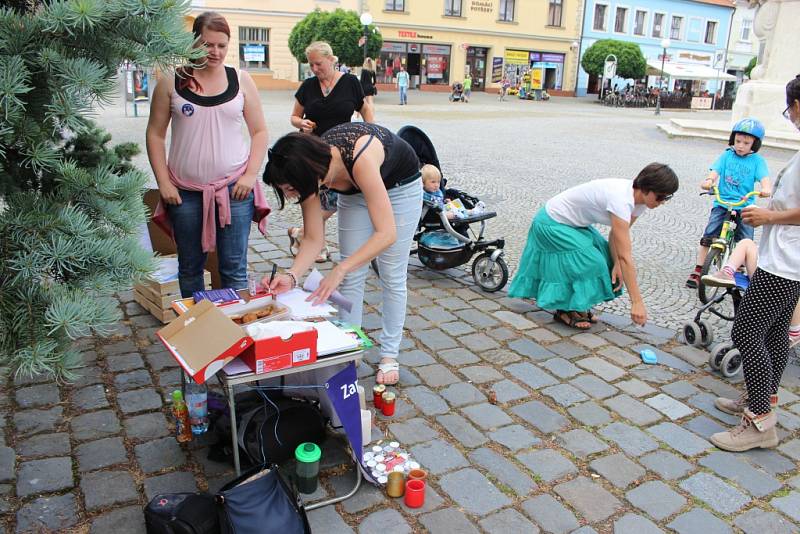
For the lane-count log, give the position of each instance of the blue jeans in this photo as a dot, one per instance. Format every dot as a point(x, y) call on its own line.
point(403, 94)
point(355, 227)
point(187, 226)
point(717, 218)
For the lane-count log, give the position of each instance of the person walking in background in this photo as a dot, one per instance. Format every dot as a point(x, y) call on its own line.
point(402, 85)
point(368, 79)
point(504, 85)
point(209, 184)
point(325, 100)
point(467, 87)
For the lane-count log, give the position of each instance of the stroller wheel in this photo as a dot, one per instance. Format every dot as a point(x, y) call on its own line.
point(706, 332)
point(490, 275)
point(731, 363)
point(692, 334)
point(719, 351)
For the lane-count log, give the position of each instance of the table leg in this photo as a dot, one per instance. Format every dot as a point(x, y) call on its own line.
point(234, 430)
point(334, 500)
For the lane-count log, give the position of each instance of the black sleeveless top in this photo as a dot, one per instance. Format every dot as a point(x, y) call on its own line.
point(400, 161)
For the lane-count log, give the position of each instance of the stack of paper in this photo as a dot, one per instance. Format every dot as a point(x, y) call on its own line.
point(301, 308)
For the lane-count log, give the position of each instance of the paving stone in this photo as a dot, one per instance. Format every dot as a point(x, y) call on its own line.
point(159, 454)
point(617, 469)
point(132, 380)
point(530, 349)
point(788, 420)
point(581, 443)
point(473, 492)
point(139, 400)
point(515, 320)
point(462, 394)
point(633, 410)
point(770, 461)
point(666, 464)
point(789, 505)
point(681, 389)
point(39, 395)
point(458, 357)
point(680, 439)
point(487, 416)
point(635, 387)
point(426, 400)
point(447, 521)
point(367, 496)
point(147, 426)
point(747, 477)
point(564, 394)
point(437, 375)
point(481, 374)
point(503, 470)
point(584, 530)
point(705, 402)
point(542, 335)
point(601, 368)
point(593, 386)
point(704, 426)
point(90, 398)
point(176, 482)
point(88, 376)
point(45, 445)
point(128, 520)
point(499, 357)
point(402, 409)
point(567, 349)
point(547, 464)
point(718, 495)
point(540, 416)
point(161, 360)
point(795, 482)
point(657, 499)
point(653, 373)
point(590, 414)
point(620, 356)
point(101, 453)
point(477, 318)
point(438, 456)
point(435, 339)
point(593, 501)
point(108, 488)
point(508, 391)
point(28, 422)
point(791, 449)
point(417, 358)
point(758, 521)
point(630, 439)
point(515, 437)
point(124, 362)
point(436, 314)
point(699, 521)
point(693, 355)
point(635, 524)
point(561, 368)
point(618, 338)
point(506, 521)
point(667, 359)
point(41, 476)
point(588, 340)
point(532, 376)
point(48, 514)
point(668, 406)
point(502, 334)
point(385, 521)
point(719, 387)
point(8, 463)
point(462, 430)
point(550, 514)
point(412, 431)
point(453, 303)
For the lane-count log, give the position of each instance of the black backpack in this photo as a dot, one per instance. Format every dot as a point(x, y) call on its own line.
point(182, 513)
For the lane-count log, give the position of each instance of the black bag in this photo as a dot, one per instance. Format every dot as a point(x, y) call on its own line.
point(295, 422)
point(182, 513)
point(260, 502)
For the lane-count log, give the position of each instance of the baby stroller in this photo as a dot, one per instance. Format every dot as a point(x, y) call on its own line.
point(445, 244)
point(457, 95)
point(724, 357)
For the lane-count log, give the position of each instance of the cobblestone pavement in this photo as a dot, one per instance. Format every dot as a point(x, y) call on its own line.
point(523, 425)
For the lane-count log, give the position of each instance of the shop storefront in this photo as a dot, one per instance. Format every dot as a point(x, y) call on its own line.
point(427, 64)
point(518, 62)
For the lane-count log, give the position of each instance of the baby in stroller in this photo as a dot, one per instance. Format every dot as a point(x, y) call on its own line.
point(457, 95)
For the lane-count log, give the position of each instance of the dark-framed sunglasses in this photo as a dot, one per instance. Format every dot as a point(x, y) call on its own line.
point(276, 157)
point(786, 111)
point(663, 198)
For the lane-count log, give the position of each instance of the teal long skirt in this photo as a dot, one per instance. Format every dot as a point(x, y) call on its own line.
point(564, 267)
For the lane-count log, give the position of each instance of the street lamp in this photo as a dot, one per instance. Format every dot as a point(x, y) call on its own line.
point(576, 46)
point(366, 20)
point(664, 45)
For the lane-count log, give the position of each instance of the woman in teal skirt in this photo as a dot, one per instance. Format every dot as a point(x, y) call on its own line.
point(567, 266)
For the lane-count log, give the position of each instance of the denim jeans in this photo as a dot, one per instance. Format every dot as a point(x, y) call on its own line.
point(187, 226)
point(355, 227)
point(717, 218)
point(403, 94)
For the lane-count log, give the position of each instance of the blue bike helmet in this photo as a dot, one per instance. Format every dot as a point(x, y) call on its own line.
point(750, 127)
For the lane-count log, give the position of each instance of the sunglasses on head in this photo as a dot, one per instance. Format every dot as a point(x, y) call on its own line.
point(276, 157)
point(663, 198)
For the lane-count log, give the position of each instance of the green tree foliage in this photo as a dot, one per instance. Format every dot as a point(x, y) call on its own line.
point(70, 207)
point(630, 60)
point(341, 29)
point(750, 66)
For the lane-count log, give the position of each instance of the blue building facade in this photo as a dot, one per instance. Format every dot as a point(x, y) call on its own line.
point(696, 30)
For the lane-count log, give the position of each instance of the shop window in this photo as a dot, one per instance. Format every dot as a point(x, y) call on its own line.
point(747, 27)
point(599, 23)
point(395, 5)
point(506, 10)
point(452, 8)
point(435, 68)
point(554, 14)
point(711, 32)
point(639, 22)
point(253, 48)
point(658, 25)
point(675, 29)
point(620, 21)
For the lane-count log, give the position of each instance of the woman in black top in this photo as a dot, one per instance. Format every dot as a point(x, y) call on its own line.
point(377, 176)
point(325, 100)
point(368, 79)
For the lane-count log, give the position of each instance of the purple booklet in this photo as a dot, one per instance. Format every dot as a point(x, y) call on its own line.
point(216, 296)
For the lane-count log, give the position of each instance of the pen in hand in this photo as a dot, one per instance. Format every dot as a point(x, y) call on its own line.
point(272, 275)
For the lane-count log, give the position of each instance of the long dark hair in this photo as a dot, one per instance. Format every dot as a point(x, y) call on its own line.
point(300, 161)
point(209, 20)
point(793, 90)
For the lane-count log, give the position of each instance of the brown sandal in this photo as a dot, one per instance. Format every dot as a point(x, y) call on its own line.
point(573, 319)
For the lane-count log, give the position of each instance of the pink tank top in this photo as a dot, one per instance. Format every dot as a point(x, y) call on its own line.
point(208, 140)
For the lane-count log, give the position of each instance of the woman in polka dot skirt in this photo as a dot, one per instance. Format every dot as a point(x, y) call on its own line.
point(762, 320)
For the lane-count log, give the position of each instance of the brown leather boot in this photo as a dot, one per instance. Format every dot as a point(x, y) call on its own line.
point(737, 406)
point(755, 431)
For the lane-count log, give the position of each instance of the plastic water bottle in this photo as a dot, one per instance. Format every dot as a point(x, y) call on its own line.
point(197, 402)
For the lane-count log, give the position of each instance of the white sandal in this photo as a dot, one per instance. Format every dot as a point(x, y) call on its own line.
point(389, 367)
point(295, 235)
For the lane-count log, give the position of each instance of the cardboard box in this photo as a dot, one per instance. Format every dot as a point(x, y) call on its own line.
point(157, 297)
point(251, 304)
point(276, 353)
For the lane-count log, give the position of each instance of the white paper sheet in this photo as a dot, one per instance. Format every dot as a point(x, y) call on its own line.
point(312, 283)
point(302, 309)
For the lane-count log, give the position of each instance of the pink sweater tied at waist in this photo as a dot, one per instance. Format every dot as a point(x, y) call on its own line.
point(215, 194)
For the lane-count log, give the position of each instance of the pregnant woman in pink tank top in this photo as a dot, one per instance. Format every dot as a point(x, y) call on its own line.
point(209, 188)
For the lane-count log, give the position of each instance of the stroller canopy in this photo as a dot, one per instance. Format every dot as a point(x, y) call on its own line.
point(422, 146)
